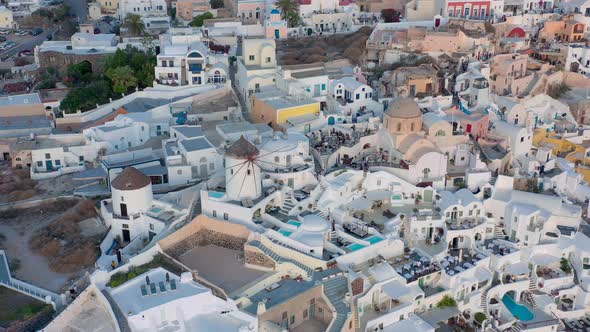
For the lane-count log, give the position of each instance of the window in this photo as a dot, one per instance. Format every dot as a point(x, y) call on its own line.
point(39, 164)
point(151, 227)
point(292, 320)
point(284, 316)
point(267, 60)
point(225, 216)
point(211, 166)
point(164, 63)
point(58, 162)
point(440, 133)
point(251, 57)
point(81, 158)
point(323, 87)
point(522, 139)
point(276, 159)
point(358, 96)
point(47, 156)
point(129, 144)
point(214, 214)
point(305, 314)
point(312, 301)
point(179, 172)
point(171, 63)
point(249, 172)
point(125, 226)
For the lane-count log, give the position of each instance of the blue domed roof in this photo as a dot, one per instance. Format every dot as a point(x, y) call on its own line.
point(275, 11)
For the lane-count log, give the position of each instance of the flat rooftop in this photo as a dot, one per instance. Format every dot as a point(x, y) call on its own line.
point(220, 266)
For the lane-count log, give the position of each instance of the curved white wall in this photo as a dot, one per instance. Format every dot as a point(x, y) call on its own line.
point(242, 180)
point(137, 201)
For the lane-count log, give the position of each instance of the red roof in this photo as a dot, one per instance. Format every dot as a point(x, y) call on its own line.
point(15, 87)
point(304, 2)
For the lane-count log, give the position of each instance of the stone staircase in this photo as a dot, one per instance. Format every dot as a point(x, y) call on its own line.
point(333, 236)
point(280, 259)
point(517, 327)
point(356, 316)
point(499, 232)
point(335, 290)
point(121, 318)
point(531, 299)
point(288, 203)
point(484, 302)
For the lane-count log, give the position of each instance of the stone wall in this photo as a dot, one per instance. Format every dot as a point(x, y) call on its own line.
point(203, 238)
point(255, 257)
point(357, 286)
point(61, 61)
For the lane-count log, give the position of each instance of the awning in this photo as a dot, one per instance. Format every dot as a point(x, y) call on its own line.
point(439, 315)
point(378, 195)
point(395, 289)
point(360, 204)
point(544, 259)
point(518, 268)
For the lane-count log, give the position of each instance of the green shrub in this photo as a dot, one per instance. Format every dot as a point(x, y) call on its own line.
point(446, 301)
point(480, 317)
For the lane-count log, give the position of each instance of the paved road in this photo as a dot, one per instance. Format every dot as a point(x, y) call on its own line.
point(78, 8)
point(29, 44)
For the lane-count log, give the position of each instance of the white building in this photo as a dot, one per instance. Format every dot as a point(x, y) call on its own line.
point(256, 67)
point(154, 13)
point(578, 59)
point(190, 64)
point(124, 132)
point(178, 303)
point(189, 156)
point(56, 155)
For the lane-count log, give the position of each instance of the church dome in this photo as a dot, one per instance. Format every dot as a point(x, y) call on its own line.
point(404, 108)
point(275, 11)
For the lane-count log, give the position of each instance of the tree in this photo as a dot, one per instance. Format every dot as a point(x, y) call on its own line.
point(216, 4)
point(199, 19)
point(80, 73)
point(134, 24)
point(122, 78)
point(289, 11)
point(480, 317)
point(49, 77)
point(86, 97)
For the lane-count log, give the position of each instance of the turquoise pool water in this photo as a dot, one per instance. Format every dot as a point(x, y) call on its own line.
point(355, 246)
point(519, 311)
point(285, 232)
point(216, 194)
point(155, 210)
point(374, 239)
point(294, 223)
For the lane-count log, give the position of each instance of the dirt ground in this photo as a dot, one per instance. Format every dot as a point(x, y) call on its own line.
point(54, 243)
point(16, 185)
point(306, 50)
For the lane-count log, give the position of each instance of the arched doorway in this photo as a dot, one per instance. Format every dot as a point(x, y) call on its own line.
point(331, 120)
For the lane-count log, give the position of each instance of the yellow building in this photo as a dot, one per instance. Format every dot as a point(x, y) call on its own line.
point(275, 108)
point(577, 153)
point(6, 21)
point(109, 6)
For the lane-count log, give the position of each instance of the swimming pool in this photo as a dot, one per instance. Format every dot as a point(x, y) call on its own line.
point(216, 194)
point(519, 311)
point(285, 232)
point(374, 239)
point(155, 210)
point(294, 223)
point(355, 246)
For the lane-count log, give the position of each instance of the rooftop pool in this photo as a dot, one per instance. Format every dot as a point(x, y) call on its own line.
point(355, 246)
point(294, 223)
point(374, 239)
point(285, 232)
point(519, 311)
point(216, 194)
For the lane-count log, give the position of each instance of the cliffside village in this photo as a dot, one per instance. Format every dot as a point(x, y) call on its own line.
point(310, 165)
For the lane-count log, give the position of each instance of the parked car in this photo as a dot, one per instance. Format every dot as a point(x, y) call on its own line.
point(4, 31)
point(37, 31)
point(22, 32)
point(25, 53)
point(2, 39)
